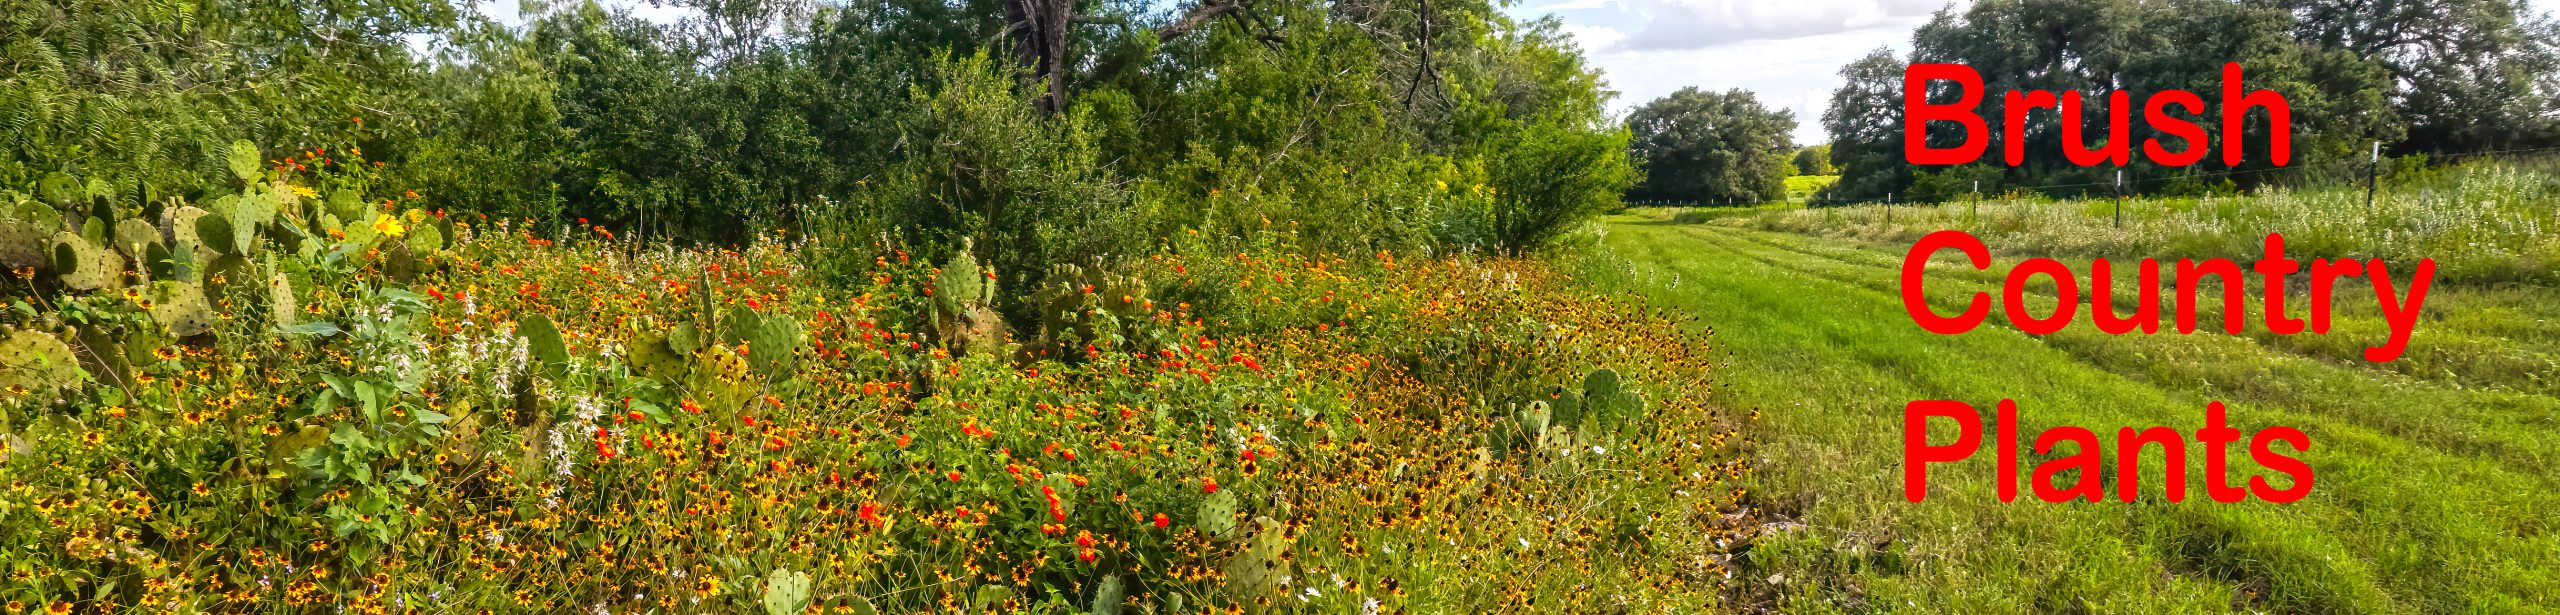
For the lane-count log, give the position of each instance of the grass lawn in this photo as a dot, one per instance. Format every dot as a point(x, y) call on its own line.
point(1801, 187)
point(2435, 477)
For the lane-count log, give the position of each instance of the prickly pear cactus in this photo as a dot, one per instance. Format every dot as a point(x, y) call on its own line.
point(652, 355)
point(38, 363)
point(1607, 403)
point(684, 338)
point(181, 308)
point(84, 265)
point(180, 225)
point(772, 341)
point(44, 217)
point(400, 265)
point(343, 205)
point(61, 190)
point(1080, 307)
point(225, 275)
point(161, 265)
point(543, 340)
point(1566, 408)
point(22, 244)
point(719, 379)
point(249, 216)
point(1108, 595)
point(282, 309)
point(214, 233)
point(424, 237)
point(1535, 420)
point(135, 237)
point(245, 162)
point(786, 592)
point(960, 284)
point(1256, 569)
point(1217, 514)
point(980, 331)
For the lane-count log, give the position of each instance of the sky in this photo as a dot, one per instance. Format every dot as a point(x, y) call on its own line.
point(1785, 51)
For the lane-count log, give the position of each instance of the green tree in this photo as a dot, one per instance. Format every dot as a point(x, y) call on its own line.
point(1709, 146)
point(144, 96)
point(1865, 124)
point(2464, 75)
point(1815, 160)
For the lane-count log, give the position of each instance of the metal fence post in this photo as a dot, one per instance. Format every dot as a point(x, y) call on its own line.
point(2372, 170)
point(2119, 198)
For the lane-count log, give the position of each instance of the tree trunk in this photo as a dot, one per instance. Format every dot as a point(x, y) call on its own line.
point(1039, 31)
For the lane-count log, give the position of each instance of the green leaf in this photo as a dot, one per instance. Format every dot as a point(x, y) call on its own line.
point(320, 328)
point(429, 417)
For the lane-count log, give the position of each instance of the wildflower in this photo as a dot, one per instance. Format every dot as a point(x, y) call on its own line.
point(1163, 521)
point(389, 226)
point(304, 192)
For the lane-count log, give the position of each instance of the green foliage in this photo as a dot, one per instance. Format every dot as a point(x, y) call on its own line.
point(1814, 160)
point(1550, 176)
point(1711, 147)
point(146, 98)
point(988, 173)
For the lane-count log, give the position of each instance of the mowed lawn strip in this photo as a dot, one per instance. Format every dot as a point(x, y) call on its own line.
point(2433, 493)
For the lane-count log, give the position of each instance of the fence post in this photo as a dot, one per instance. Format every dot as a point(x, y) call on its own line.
point(2119, 198)
point(1974, 216)
point(2372, 169)
point(1888, 208)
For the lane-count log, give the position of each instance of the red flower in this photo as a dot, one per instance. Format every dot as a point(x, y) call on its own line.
point(1163, 521)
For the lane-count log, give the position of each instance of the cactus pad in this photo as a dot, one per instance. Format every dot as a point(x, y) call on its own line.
point(181, 308)
point(39, 363)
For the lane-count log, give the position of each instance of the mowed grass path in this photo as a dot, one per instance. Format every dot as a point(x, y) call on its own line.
point(2435, 489)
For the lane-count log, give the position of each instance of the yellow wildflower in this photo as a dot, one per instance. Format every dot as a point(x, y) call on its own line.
point(389, 226)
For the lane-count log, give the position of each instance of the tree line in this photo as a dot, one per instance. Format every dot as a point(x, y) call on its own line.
point(2419, 77)
point(1039, 131)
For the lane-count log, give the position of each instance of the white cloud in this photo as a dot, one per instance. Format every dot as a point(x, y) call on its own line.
point(1691, 24)
point(1796, 73)
point(1786, 52)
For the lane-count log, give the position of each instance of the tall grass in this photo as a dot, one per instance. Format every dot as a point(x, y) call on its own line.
point(2487, 222)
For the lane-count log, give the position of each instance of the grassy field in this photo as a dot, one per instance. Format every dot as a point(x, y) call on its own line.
point(2434, 472)
point(1801, 187)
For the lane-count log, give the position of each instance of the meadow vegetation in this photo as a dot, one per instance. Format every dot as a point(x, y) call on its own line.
point(2425, 499)
point(277, 402)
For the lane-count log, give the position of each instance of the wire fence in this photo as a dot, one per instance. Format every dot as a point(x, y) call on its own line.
point(2367, 171)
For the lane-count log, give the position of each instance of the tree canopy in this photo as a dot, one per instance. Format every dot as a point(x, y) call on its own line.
point(1349, 124)
point(2431, 76)
point(1699, 145)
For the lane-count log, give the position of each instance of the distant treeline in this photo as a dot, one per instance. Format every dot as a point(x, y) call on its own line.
point(2418, 76)
point(2427, 79)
